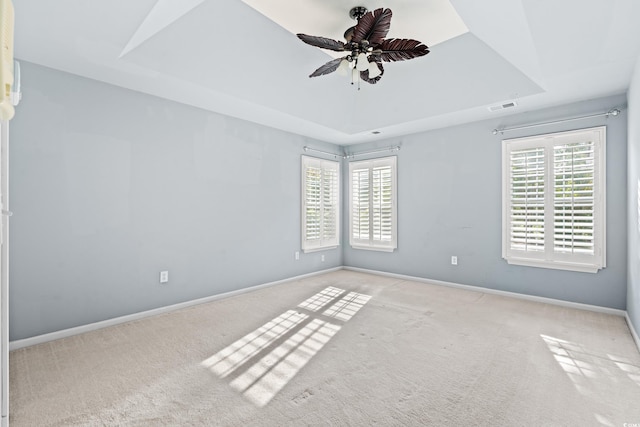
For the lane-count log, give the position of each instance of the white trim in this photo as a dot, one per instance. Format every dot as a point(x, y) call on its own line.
point(558, 265)
point(4, 268)
point(40, 339)
point(569, 304)
point(373, 248)
point(324, 248)
point(634, 334)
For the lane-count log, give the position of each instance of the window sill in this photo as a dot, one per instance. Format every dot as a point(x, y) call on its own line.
point(555, 265)
point(373, 248)
point(323, 248)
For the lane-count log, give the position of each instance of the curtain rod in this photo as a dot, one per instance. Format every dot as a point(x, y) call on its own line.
point(305, 148)
point(382, 150)
point(613, 112)
point(352, 155)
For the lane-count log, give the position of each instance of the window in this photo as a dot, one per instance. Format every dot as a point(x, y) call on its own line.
point(554, 200)
point(320, 204)
point(372, 204)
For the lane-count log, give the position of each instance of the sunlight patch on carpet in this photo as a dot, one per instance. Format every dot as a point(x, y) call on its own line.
point(583, 365)
point(267, 377)
point(228, 360)
point(628, 367)
point(261, 363)
point(348, 306)
point(603, 420)
point(321, 299)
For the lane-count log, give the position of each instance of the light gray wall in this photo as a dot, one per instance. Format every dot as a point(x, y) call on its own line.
point(110, 186)
point(633, 212)
point(449, 203)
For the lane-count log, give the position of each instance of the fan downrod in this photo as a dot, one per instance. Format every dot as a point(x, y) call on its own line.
point(357, 12)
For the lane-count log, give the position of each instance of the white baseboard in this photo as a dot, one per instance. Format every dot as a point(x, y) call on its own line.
point(634, 333)
point(39, 339)
point(553, 301)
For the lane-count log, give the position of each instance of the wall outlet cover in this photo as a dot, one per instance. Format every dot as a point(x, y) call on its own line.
point(164, 276)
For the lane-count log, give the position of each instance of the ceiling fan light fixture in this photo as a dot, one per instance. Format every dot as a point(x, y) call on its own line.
point(344, 68)
point(362, 63)
point(374, 70)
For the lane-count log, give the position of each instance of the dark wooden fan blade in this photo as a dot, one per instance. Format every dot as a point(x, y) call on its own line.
point(322, 42)
point(402, 49)
point(327, 68)
point(364, 75)
point(348, 35)
point(373, 27)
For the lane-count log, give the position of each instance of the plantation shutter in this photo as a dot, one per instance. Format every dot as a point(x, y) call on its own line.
point(360, 208)
point(554, 201)
point(526, 231)
point(382, 204)
point(320, 207)
point(574, 198)
point(373, 204)
point(330, 192)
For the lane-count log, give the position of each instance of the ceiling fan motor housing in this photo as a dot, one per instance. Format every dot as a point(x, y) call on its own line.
point(357, 12)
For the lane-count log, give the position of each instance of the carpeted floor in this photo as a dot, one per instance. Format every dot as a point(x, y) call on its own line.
point(343, 348)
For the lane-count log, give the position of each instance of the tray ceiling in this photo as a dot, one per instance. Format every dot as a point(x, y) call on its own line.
point(228, 57)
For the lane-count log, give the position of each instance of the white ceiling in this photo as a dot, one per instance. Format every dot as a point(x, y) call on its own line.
point(433, 20)
point(225, 56)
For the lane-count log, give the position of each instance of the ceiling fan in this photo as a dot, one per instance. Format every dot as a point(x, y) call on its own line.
point(367, 46)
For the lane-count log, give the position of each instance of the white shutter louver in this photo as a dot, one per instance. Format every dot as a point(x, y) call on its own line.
point(382, 204)
point(574, 198)
point(312, 199)
point(360, 204)
point(320, 207)
point(527, 199)
point(330, 205)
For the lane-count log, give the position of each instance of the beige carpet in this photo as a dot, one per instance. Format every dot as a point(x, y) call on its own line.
point(339, 349)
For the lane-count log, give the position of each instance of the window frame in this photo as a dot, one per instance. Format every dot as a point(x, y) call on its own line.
point(321, 243)
point(549, 257)
point(371, 243)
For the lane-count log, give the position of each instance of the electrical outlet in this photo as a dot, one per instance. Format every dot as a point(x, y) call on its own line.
point(322, 258)
point(164, 276)
point(297, 255)
point(454, 260)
